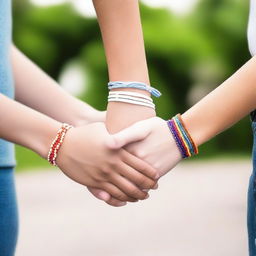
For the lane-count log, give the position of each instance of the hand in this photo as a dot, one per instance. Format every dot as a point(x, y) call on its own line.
point(152, 141)
point(85, 158)
point(149, 140)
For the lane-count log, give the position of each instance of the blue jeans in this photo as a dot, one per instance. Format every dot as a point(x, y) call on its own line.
point(8, 213)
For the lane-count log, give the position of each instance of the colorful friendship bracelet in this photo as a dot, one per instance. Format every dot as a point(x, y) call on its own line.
point(56, 144)
point(183, 140)
point(188, 134)
point(176, 138)
point(134, 84)
point(183, 134)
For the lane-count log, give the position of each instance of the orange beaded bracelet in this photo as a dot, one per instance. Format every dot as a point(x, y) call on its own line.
point(57, 142)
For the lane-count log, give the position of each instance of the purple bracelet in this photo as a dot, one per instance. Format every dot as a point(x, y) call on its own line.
point(176, 138)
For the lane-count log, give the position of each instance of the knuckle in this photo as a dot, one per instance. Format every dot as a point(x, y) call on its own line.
point(141, 154)
point(97, 179)
point(156, 166)
point(105, 171)
point(113, 163)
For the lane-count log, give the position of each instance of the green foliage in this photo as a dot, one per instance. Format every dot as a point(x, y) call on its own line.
point(201, 48)
point(27, 159)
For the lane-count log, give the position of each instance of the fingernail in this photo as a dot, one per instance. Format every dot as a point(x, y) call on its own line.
point(155, 187)
point(122, 204)
point(104, 196)
point(147, 196)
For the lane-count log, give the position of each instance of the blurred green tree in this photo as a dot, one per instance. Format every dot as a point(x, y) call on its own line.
point(188, 55)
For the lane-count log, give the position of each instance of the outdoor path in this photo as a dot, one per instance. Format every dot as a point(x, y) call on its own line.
point(198, 210)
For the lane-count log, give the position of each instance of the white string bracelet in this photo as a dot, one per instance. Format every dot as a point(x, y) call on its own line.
point(140, 95)
point(131, 101)
point(130, 98)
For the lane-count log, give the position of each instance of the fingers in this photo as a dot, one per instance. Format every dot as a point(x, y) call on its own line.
point(137, 178)
point(116, 203)
point(106, 197)
point(117, 193)
point(135, 132)
point(129, 188)
point(100, 194)
point(140, 165)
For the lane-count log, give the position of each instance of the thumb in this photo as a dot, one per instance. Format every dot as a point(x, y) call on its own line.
point(135, 132)
point(100, 194)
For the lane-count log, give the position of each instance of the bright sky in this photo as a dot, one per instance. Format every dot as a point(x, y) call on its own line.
point(85, 7)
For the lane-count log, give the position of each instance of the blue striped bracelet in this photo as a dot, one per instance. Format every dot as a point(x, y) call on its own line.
point(136, 85)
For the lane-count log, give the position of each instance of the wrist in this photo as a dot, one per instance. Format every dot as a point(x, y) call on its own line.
point(121, 115)
point(86, 115)
point(196, 131)
point(42, 141)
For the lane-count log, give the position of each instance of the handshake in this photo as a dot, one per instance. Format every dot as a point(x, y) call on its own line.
point(122, 166)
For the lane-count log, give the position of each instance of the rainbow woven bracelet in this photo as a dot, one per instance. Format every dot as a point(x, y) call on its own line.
point(183, 140)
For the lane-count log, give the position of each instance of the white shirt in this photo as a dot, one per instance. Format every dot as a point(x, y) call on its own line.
point(251, 31)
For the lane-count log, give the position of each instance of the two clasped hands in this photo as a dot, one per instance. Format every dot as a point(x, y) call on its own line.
point(121, 155)
point(121, 167)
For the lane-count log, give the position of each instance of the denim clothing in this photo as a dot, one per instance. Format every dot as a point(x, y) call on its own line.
point(8, 213)
point(251, 213)
point(7, 158)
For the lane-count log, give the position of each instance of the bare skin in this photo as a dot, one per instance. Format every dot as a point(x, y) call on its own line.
point(219, 110)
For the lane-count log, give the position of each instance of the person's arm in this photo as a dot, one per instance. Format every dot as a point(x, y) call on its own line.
point(34, 88)
point(122, 35)
point(224, 106)
point(152, 141)
point(43, 94)
point(114, 171)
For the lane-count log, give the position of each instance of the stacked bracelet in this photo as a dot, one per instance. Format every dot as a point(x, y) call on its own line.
point(182, 137)
point(132, 98)
point(136, 85)
point(56, 144)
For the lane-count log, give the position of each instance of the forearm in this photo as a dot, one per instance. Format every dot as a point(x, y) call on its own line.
point(122, 35)
point(121, 30)
point(24, 126)
point(37, 90)
point(223, 107)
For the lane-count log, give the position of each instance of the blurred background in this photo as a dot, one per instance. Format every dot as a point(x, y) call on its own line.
point(192, 46)
point(200, 208)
